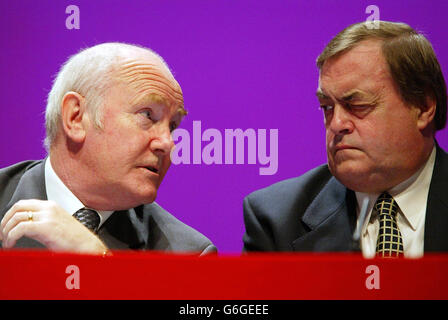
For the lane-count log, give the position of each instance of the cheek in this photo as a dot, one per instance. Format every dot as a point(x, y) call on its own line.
point(166, 163)
point(329, 136)
point(125, 139)
point(389, 144)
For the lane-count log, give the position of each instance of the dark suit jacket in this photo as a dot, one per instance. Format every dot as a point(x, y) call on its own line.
point(147, 227)
point(315, 212)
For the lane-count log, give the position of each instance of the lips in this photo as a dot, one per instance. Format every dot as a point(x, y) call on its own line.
point(343, 147)
point(152, 169)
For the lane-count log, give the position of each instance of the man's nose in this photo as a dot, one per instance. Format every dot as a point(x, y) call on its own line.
point(162, 142)
point(341, 121)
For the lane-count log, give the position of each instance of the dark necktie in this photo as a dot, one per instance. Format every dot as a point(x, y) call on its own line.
point(89, 218)
point(389, 242)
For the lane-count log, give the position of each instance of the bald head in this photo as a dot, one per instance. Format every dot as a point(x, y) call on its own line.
point(146, 71)
point(94, 70)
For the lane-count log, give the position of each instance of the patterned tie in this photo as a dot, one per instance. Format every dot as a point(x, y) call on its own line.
point(389, 243)
point(89, 218)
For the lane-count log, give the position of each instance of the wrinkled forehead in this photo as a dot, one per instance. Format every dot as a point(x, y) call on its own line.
point(362, 66)
point(150, 78)
point(364, 58)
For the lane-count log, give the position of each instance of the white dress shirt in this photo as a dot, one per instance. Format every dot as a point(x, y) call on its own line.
point(58, 192)
point(411, 197)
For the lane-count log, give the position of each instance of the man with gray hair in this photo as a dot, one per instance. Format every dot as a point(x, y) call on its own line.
point(109, 119)
point(384, 188)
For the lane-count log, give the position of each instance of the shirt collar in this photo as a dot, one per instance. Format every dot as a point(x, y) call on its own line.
point(411, 194)
point(58, 192)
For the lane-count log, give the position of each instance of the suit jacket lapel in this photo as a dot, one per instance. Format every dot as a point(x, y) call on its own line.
point(31, 185)
point(124, 230)
point(436, 222)
point(331, 217)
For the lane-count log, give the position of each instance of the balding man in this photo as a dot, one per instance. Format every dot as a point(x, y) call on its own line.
point(385, 185)
point(109, 119)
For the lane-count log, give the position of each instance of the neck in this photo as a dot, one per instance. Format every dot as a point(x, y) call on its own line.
point(67, 169)
point(422, 157)
point(75, 174)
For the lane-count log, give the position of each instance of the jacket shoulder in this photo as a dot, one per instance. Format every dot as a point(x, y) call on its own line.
point(306, 186)
point(272, 215)
point(10, 177)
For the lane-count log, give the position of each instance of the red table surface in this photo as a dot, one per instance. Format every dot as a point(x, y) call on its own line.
point(159, 276)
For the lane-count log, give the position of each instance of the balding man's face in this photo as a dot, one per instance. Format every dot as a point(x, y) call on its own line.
point(130, 155)
point(374, 138)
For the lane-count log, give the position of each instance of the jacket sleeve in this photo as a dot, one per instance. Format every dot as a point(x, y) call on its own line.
point(257, 236)
point(210, 249)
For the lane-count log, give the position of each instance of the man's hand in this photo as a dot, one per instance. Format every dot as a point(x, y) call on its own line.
point(50, 225)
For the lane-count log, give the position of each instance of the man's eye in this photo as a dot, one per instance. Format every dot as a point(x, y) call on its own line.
point(326, 108)
point(356, 107)
point(173, 126)
point(147, 114)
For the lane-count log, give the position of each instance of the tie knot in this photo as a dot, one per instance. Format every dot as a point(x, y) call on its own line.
point(89, 218)
point(386, 205)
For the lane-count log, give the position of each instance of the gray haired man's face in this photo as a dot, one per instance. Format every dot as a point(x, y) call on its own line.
point(130, 155)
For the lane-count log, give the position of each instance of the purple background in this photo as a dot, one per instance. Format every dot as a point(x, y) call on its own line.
point(241, 64)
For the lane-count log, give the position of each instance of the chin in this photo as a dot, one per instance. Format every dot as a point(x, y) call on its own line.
point(148, 197)
point(144, 192)
point(140, 198)
point(356, 179)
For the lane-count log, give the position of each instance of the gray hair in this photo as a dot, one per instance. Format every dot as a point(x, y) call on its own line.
point(410, 57)
point(90, 73)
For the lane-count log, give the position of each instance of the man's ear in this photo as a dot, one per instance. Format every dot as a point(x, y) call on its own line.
point(426, 113)
point(73, 111)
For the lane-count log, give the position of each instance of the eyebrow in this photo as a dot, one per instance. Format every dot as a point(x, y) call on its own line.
point(354, 94)
point(321, 95)
point(155, 98)
point(346, 97)
point(182, 111)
